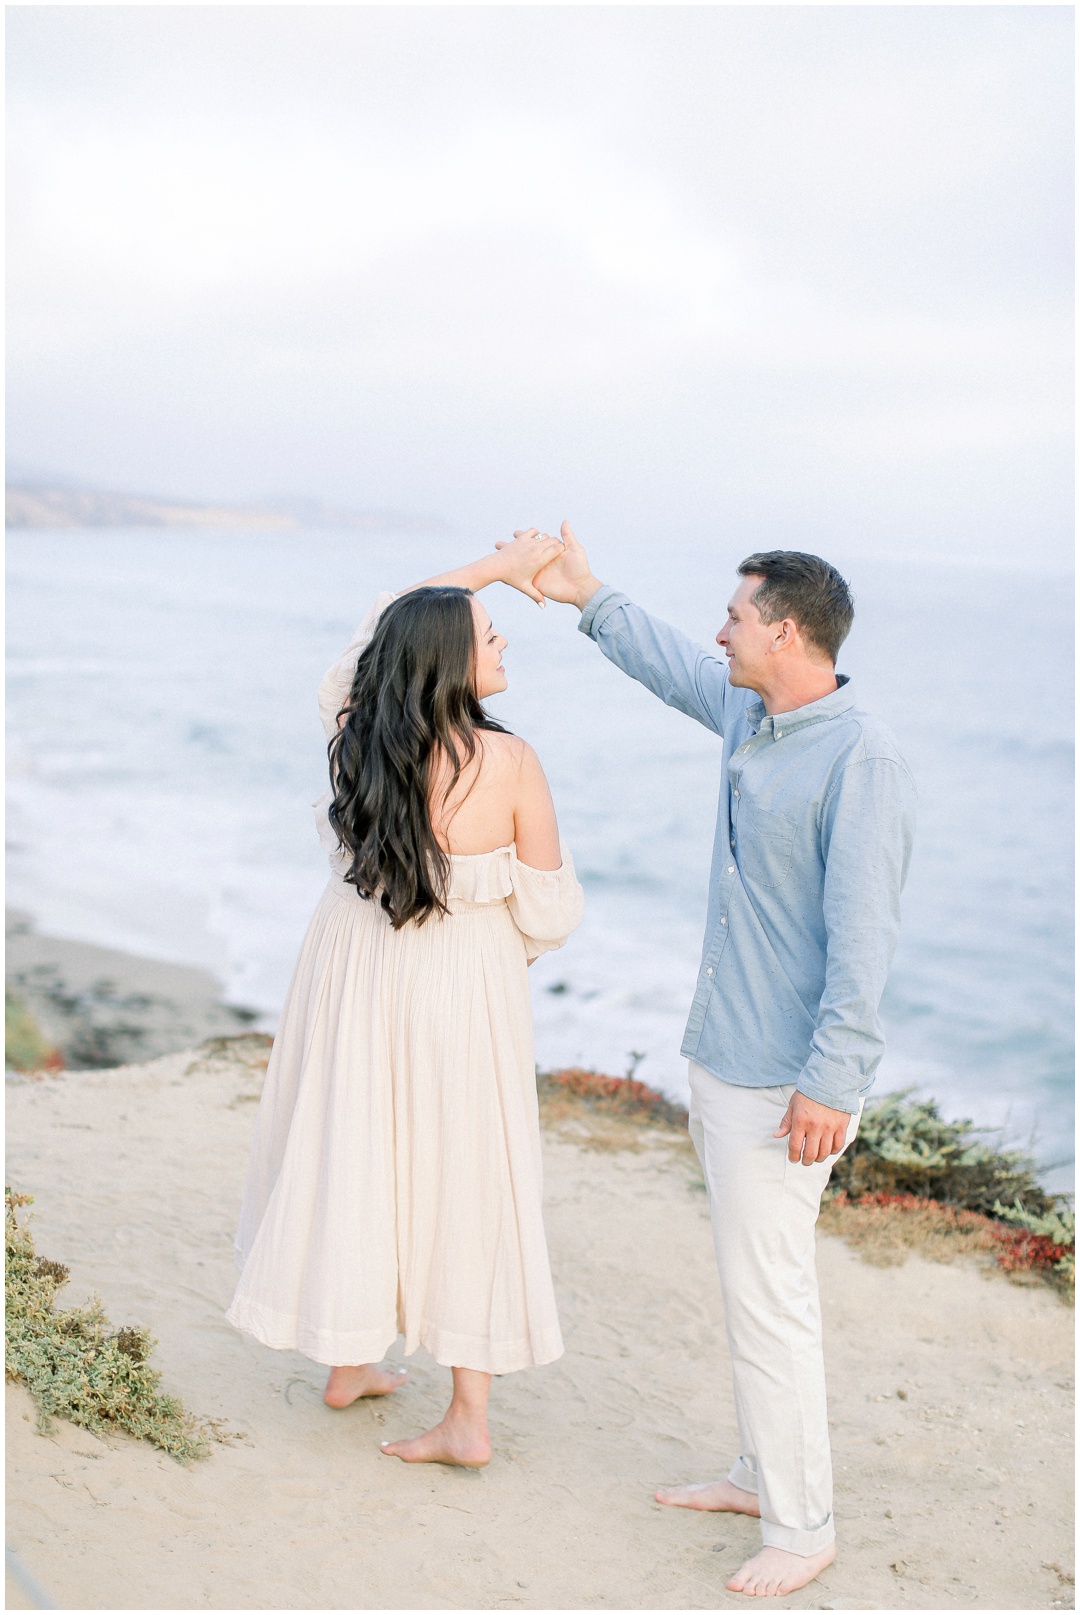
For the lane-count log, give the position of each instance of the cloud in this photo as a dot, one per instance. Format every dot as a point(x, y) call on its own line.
point(433, 255)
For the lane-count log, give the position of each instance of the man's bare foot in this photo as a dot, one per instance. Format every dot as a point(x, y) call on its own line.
point(774, 1572)
point(348, 1385)
point(718, 1495)
point(452, 1441)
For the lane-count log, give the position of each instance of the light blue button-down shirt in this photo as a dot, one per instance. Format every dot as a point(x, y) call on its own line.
point(813, 838)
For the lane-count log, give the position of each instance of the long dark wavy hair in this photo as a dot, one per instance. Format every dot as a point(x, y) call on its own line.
point(413, 697)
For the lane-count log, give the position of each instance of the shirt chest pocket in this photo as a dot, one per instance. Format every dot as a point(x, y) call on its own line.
point(764, 843)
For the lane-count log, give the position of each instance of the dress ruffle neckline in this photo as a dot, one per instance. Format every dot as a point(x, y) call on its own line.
point(485, 877)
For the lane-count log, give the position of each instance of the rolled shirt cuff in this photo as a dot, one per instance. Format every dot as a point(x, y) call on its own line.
point(832, 1085)
point(600, 607)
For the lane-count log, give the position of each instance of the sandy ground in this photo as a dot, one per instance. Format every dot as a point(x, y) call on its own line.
point(956, 1496)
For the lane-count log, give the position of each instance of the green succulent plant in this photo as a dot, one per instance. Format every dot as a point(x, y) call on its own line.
point(75, 1364)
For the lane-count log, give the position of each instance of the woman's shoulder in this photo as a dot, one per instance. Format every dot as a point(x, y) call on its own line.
point(501, 747)
point(503, 753)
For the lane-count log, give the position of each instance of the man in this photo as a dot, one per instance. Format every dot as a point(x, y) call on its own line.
point(813, 838)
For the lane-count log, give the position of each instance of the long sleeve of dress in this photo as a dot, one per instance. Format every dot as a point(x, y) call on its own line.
point(337, 680)
point(546, 904)
point(333, 693)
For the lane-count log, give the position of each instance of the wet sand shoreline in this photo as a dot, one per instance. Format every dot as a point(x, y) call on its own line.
point(103, 1007)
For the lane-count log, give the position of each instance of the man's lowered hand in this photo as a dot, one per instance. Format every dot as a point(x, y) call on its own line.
point(813, 1131)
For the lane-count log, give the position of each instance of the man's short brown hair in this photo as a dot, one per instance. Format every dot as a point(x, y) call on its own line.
point(806, 589)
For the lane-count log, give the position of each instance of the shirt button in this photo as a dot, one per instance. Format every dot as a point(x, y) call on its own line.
point(731, 869)
point(736, 793)
point(779, 734)
point(723, 919)
point(709, 971)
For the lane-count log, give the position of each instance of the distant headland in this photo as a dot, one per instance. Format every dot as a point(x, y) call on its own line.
point(44, 505)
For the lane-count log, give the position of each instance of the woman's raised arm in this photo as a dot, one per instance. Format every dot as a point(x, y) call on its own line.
point(516, 563)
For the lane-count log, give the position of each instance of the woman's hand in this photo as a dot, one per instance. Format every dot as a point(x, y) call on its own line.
point(515, 563)
point(522, 557)
point(567, 575)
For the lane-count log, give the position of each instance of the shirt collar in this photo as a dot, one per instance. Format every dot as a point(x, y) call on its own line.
point(779, 724)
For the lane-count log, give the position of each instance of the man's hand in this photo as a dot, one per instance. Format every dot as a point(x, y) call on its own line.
point(813, 1131)
point(568, 577)
point(520, 561)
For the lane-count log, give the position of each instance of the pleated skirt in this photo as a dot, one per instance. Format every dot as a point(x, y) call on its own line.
point(395, 1185)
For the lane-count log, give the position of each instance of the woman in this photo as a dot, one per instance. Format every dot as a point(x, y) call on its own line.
point(395, 1177)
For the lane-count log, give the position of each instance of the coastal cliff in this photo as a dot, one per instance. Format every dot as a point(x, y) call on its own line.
point(42, 506)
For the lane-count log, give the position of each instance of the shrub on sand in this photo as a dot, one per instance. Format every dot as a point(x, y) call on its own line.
point(26, 1048)
point(75, 1364)
point(885, 1228)
point(1047, 1242)
point(622, 1096)
point(609, 1113)
point(910, 1180)
point(250, 1051)
point(905, 1146)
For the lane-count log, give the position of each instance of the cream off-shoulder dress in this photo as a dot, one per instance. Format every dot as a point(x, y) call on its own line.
point(395, 1177)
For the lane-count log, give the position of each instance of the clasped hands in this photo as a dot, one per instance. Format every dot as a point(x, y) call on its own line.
point(547, 568)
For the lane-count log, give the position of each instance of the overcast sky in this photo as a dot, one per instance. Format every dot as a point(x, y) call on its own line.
point(797, 274)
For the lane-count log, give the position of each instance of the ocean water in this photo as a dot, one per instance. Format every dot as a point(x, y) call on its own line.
point(164, 749)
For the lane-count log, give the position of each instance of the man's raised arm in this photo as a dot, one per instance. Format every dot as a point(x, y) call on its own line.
point(666, 661)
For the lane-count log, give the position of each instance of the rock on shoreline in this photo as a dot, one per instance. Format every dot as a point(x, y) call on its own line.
point(101, 1007)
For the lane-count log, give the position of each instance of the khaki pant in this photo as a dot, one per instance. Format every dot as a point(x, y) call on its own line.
point(763, 1212)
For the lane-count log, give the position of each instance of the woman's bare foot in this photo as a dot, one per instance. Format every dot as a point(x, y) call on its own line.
point(348, 1385)
point(774, 1572)
point(450, 1442)
point(461, 1436)
point(715, 1495)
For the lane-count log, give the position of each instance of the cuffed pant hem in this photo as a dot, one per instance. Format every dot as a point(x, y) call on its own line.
point(743, 1477)
point(801, 1542)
